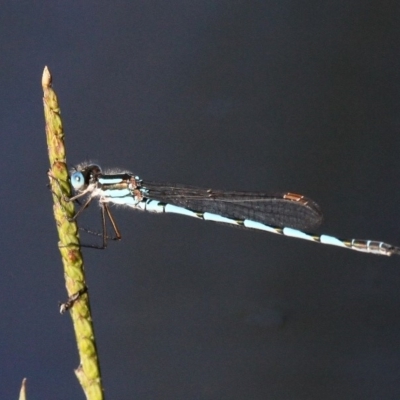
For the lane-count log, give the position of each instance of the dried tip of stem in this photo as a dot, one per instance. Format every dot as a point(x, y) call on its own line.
point(22, 393)
point(46, 78)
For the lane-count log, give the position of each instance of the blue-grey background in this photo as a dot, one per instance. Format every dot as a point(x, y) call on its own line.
point(264, 95)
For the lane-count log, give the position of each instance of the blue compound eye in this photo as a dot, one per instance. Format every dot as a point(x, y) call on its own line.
point(77, 180)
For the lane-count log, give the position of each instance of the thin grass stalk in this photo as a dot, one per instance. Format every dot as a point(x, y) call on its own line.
point(88, 372)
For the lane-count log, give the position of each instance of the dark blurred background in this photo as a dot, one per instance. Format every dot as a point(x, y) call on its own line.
point(264, 95)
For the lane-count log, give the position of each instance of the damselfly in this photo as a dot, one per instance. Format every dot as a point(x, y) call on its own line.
point(287, 214)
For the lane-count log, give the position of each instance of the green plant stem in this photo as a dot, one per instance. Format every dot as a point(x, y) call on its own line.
point(88, 372)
